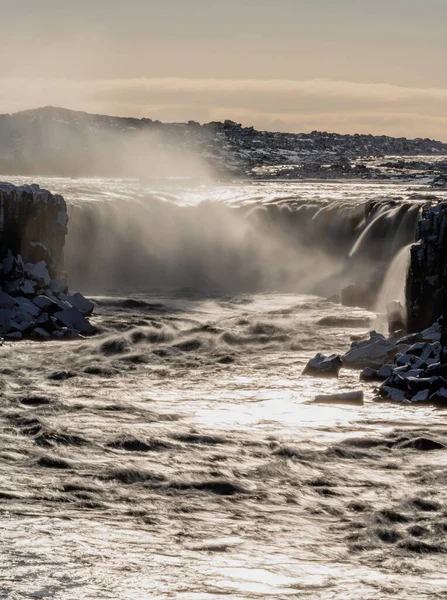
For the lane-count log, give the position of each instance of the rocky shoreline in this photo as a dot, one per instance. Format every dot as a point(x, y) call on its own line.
point(413, 367)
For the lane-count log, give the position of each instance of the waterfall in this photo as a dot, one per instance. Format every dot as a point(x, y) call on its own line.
point(393, 287)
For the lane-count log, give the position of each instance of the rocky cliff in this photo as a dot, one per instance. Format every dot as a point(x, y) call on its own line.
point(34, 299)
point(33, 224)
point(426, 292)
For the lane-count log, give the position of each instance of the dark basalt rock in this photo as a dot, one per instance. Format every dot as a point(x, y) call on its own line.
point(33, 300)
point(427, 279)
point(33, 225)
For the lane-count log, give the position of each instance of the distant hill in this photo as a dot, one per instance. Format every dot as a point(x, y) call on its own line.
point(61, 142)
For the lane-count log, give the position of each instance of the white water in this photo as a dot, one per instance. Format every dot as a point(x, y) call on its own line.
point(181, 459)
point(393, 288)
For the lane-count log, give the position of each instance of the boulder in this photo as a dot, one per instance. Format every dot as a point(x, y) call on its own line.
point(393, 394)
point(22, 321)
point(80, 302)
point(27, 306)
point(21, 286)
point(73, 319)
point(385, 371)
point(351, 398)
point(38, 272)
point(6, 301)
point(440, 397)
point(40, 333)
point(421, 396)
point(369, 374)
point(354, 295)
point(370, 353)
point(14, 336)
point(58, 286)
point(323, 366)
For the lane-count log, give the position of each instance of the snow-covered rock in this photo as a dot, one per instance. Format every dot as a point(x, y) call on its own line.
point(370, 353)
point(323, 366)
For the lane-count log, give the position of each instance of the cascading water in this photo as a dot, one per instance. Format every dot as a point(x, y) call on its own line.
point(393, 288)
point(148, 243)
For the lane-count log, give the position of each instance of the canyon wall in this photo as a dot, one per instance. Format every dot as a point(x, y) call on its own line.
point(426, 291)
point(33, 224)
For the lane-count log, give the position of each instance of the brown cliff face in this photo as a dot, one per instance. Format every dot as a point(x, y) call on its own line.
point(33, 224)
point(427, 278)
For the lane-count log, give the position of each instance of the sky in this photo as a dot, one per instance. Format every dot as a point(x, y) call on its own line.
point(344, 66)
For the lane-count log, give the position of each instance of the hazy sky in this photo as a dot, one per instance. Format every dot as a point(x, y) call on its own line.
point(339, 65)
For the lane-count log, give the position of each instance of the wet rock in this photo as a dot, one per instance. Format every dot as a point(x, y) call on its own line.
point(350, 398)
point(384, 372)
point(61, 375)
point(72, 318)
point(40, 333)
point(14, 336)
point(440, 397)
point(421, 396)
point(369, 374)
point(354, 295)
point(422, 444)
point(323, 366)
point(34, 400)
point(79, 302)
point(391, 393)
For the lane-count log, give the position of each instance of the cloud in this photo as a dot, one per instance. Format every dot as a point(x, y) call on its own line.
point(340, 106)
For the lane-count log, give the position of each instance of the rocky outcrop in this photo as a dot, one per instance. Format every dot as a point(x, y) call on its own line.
point(33, 224)
point(34, 300)
point(426, 292)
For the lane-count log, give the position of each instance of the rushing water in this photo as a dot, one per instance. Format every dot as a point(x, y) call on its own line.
point(178, 454)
